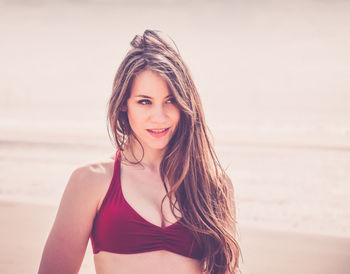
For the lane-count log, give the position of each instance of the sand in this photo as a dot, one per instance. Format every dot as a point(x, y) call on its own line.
point(25, 228)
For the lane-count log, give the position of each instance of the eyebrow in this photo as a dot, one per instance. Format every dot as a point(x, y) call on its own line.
point(149, 97)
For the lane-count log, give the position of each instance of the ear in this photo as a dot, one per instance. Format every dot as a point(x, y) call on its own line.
point(124, 108)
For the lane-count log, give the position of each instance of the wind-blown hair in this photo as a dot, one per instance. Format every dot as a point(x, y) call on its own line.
point(202, 190)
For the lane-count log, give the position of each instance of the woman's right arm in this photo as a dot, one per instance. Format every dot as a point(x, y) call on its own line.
point(66, 245)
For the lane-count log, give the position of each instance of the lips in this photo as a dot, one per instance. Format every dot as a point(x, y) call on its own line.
point(158, 132)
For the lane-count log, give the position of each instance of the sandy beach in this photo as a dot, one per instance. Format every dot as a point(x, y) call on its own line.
point(25, 228)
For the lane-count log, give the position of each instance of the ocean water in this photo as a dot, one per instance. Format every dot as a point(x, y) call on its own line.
point(274, 78)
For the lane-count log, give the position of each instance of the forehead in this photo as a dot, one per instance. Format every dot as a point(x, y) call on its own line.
point(149, 83)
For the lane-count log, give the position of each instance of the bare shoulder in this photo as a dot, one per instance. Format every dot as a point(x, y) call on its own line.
point(66, 244)
point(94, 173)
point(94, 178)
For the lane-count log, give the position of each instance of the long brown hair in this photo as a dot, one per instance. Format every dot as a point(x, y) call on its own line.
point(202, 190)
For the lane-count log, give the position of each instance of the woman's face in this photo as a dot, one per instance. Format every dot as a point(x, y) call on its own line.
point(152, 114)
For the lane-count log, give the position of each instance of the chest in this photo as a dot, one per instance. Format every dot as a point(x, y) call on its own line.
point(135, 225)
point(144, 192)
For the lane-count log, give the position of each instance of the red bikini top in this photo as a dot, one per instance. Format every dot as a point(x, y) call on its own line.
point(118, 228)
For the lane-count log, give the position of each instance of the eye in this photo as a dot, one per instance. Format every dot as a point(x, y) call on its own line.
point(144, 102)
point(170, 101)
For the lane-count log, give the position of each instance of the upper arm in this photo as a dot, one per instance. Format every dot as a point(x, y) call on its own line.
point(67, 241)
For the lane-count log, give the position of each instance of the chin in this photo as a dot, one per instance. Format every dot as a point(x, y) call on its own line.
point(161, 146)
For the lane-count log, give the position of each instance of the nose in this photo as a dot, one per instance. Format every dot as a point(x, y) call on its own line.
point(159, 114)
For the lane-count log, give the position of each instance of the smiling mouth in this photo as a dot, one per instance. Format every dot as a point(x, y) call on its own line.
point(159, 132)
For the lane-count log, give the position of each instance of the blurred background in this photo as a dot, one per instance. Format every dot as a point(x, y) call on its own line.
point(274, 79)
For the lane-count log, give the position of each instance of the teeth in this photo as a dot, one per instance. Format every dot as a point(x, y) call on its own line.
point(158, 131)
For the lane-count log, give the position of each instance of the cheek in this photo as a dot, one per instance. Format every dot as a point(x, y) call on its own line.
point(137, 118)
point(134, 120)
point(176, 115)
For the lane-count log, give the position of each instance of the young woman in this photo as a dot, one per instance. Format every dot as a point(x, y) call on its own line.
point(163, 204)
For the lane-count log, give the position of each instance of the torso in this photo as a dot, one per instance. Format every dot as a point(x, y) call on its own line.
point(155, 262)
point(145, 198)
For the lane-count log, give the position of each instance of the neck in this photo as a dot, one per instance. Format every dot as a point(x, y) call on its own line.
point(150, 158)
